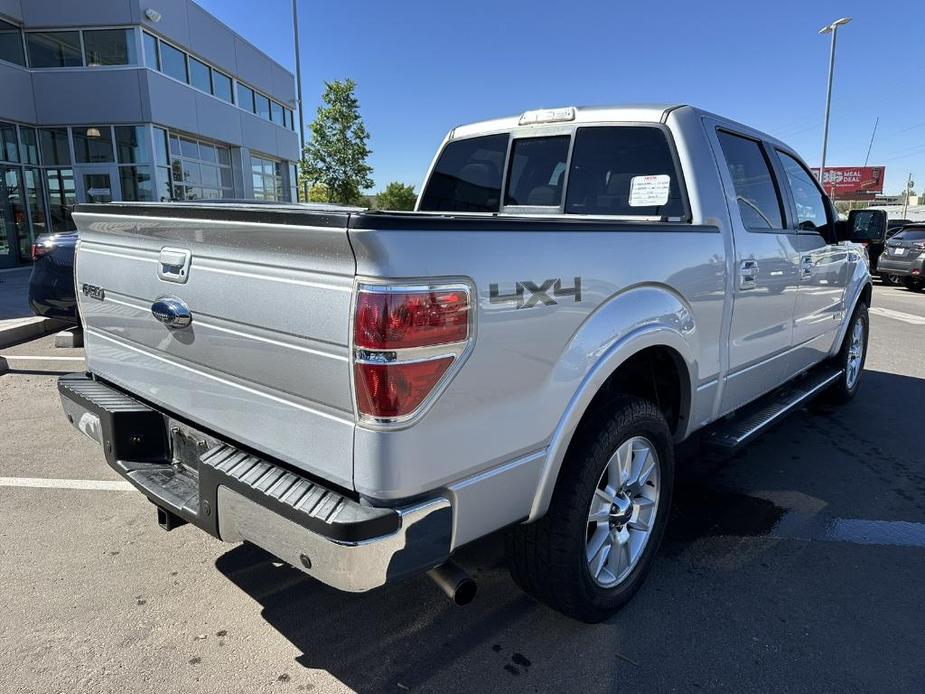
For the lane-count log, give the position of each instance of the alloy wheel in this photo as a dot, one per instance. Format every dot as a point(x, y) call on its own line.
point(622, 514)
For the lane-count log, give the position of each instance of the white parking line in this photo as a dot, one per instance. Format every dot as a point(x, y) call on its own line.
point(50, 483)
point(18, 357)
point(898, 315)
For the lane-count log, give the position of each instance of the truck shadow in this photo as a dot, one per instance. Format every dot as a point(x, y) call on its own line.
point(725, 519)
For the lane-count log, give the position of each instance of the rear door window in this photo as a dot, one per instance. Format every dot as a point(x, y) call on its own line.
point(467, 177)
point(536, 172)
point(755, 188)
point(623, 170)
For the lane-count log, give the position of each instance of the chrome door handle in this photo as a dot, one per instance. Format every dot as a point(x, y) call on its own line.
point(806, 266)
point(748, 274)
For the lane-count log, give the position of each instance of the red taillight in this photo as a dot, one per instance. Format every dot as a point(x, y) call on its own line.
point(400, 320)
point(395, 390)
point(38, 250)
point(394, 333)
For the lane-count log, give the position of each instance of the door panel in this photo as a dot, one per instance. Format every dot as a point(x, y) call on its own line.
point(767, 272)
point(824, 264)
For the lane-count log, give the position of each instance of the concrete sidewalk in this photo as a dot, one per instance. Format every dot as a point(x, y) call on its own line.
point(17, 322)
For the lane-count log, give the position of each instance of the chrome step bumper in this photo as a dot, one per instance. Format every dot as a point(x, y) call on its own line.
point(235, 495)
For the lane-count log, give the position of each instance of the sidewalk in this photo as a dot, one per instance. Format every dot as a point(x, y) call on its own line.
point(17, 321)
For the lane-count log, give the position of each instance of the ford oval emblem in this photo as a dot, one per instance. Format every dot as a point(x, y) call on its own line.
point(172, 312)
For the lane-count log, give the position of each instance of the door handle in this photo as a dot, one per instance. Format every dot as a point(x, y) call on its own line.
point(748, 274)
point(806, 266)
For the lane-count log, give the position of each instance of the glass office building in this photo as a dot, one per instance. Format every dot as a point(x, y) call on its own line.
point(121, 100)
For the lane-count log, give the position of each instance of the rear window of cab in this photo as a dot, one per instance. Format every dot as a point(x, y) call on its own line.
point(599, 170)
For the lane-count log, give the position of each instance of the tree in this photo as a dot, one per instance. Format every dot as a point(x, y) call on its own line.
point(336, 155)
point(396, 196)
point(318, 193)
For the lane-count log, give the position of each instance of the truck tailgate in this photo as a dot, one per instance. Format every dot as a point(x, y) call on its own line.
point(264, 361)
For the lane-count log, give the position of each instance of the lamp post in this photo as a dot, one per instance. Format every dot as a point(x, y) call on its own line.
point(829, 29)
point(298, 81)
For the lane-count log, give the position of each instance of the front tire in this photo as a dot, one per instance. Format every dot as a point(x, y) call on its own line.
point(593, 549)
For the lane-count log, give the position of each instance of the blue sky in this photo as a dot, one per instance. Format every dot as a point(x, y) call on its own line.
point(423, 67)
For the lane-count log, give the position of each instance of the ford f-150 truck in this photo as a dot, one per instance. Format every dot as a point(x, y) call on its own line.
point(362, 393)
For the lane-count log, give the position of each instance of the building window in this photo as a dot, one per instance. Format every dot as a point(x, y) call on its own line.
point(152, 57)
point(30, 148)
point(132, 144)
point(200, 75)
point(93, 144)
point(9, 148)
point(54, 147)
point(132, 147)
point(245, 97)
point(267, 176)
point(11, 49)
point(161, 165)
point(201, 170)
point(35, 199)
point(221, 86)
point(109, 47)
point(54, 49)
point(136, 182)
point(173, 62)
point(263, 106)
point(276, 113)
point(62, 196)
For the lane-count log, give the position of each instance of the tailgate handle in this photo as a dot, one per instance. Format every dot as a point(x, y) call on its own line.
point(173, 265)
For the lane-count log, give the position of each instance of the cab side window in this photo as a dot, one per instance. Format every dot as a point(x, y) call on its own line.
point(755, 187)
point(811, 209)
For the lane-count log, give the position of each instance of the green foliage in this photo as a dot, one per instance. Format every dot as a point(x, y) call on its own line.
point(335, 158)
point(396, 196)
point(318, 193)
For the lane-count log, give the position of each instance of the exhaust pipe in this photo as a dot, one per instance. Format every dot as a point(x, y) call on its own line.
point(459, 586)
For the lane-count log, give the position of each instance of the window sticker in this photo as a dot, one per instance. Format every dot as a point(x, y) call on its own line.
point(649, 191)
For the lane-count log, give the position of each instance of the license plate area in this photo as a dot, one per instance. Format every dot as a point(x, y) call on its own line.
point(899, 251)
point(187, 444)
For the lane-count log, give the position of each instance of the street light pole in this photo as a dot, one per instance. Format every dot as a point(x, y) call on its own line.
point(833, 29)
point(298, 81)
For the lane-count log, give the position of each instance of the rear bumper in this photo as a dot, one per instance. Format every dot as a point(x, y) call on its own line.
point(902, 267)
point(235, 495)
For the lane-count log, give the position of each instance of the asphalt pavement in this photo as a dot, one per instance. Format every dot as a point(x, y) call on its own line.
point(796, 565)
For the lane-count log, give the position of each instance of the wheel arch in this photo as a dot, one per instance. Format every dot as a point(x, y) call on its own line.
point(656, 343)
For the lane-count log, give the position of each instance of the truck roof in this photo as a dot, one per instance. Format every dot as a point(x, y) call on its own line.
point(640, 113)
point(627, 113)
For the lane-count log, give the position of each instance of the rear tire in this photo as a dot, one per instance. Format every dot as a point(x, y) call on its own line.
point(913, 285)
point(614, 490)
point(887, 279)
point(852, 357)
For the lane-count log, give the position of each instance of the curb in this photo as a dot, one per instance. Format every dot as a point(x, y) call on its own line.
point(27, 328)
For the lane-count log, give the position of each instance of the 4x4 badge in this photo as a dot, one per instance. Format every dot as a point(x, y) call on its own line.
point(538, 294)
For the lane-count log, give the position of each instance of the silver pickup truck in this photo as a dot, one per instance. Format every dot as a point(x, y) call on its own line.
point(362, 393)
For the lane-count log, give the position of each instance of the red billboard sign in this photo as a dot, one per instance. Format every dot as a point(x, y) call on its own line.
point(853, 182)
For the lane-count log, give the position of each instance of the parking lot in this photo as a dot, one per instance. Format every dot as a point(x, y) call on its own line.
point(795, 565)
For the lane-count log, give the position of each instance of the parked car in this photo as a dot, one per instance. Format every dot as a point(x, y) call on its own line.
point(362, 393)
point(905, 256)
point(51, 284)
point(894, 225)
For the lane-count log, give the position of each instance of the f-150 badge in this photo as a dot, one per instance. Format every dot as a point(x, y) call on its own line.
point(538, 294)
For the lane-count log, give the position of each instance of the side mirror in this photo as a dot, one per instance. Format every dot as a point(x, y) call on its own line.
point(866, 226)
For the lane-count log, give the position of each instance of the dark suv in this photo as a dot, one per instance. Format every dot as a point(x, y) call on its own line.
point(904, 257)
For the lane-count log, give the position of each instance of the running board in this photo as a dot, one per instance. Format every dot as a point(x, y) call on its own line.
point(753, 419)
